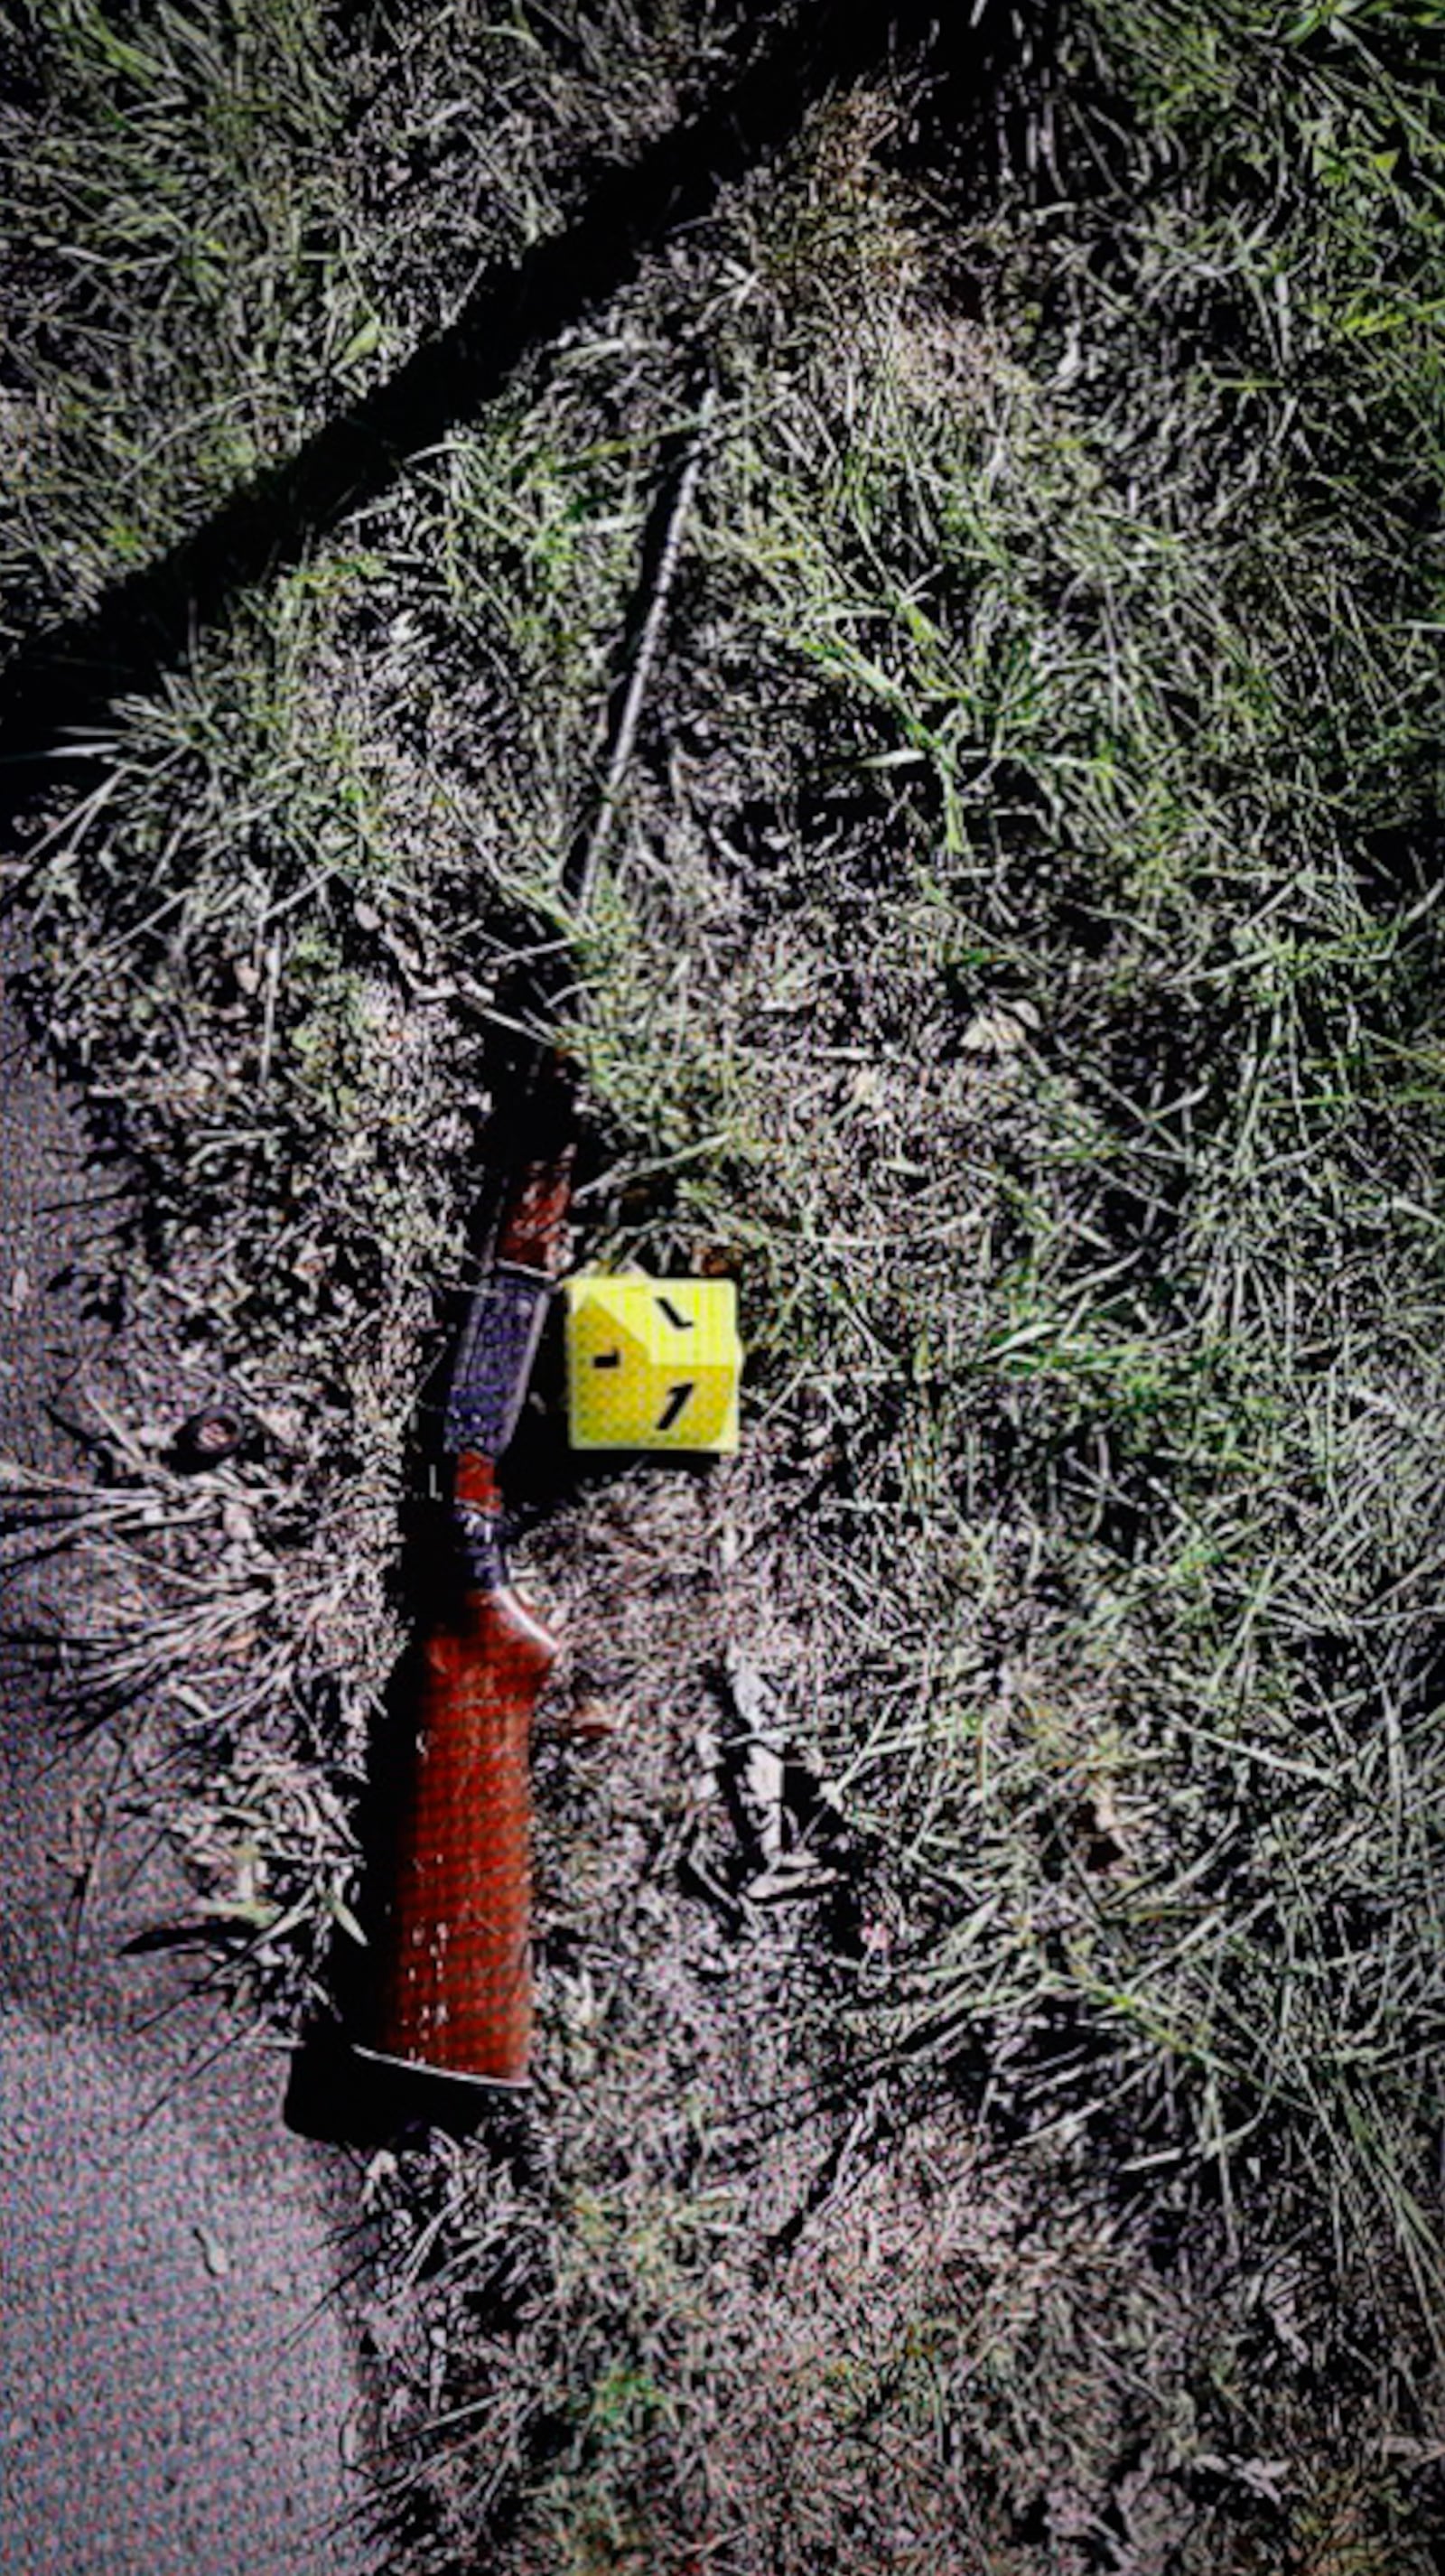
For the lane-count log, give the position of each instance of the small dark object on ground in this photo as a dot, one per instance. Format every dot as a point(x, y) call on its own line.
point(212, 1437)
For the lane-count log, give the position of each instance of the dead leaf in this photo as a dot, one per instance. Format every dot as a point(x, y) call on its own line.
point(763, 1782)
point(1001, 1029)
point(590, 1720)
point(1107, 1837)
point(753, 1698)
point(793, 1874)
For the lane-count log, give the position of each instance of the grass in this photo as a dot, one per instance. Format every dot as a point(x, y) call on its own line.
point(219, 230)
point(1020, 967)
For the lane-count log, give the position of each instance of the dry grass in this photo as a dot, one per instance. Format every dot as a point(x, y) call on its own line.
point(1020, 968)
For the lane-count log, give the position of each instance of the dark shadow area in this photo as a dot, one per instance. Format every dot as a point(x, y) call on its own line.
point(338, 2097)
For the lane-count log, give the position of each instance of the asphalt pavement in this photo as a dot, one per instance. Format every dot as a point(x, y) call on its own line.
point(180, 2391)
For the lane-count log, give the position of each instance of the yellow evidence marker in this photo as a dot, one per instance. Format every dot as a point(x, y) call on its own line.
point(652, 1363)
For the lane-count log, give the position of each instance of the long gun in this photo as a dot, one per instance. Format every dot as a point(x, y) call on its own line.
point(454, 1991)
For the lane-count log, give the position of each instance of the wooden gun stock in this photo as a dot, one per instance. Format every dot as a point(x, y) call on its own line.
point(454, 1993)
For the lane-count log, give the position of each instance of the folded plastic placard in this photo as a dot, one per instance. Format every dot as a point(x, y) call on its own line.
point(652, 1363)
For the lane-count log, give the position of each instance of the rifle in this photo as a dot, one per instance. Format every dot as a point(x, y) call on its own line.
point(453, 1994)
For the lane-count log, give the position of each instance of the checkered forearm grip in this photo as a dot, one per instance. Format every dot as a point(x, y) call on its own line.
point(456, 1972)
